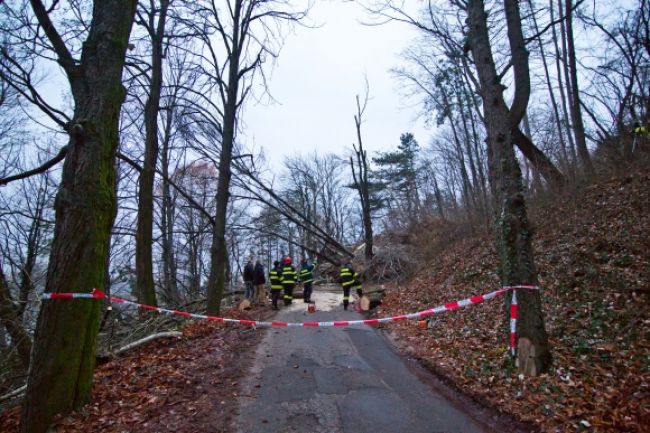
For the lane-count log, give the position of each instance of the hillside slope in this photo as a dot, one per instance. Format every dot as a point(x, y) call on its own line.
point(593, 254)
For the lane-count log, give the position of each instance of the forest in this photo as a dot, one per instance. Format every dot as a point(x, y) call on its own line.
point(124, 167)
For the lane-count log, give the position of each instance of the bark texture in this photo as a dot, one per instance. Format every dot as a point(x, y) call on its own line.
point(513, 234)
point(63, 359)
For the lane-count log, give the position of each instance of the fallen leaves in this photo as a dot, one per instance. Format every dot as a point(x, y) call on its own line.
point(166, 385)
point(593, 256)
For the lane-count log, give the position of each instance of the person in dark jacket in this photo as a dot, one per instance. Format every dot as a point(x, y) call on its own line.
point(249, 271)
point(275, 278)
point(259, 279)
point(288, 280)
point(306, 278)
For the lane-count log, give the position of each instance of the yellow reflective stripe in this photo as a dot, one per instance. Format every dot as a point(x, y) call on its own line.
point(346, 298)
point(347, 283)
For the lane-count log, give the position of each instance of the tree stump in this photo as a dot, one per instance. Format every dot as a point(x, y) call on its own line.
point(371, 299)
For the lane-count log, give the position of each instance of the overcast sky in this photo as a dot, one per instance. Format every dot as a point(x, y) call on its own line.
point(315, 81)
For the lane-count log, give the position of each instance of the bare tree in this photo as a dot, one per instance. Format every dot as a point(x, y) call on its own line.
point(64, 343)
point(359, 166)
point(574, 100)
point(513, 234)
point(249, 33)
point(153, 20)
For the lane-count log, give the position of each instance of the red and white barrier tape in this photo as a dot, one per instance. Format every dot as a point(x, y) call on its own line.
point(514, 311)
point(98, 294)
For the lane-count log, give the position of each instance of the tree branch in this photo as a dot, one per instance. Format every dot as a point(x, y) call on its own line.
point(43, 168)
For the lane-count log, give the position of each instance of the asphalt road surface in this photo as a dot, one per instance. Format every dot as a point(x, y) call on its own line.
point(347, 380)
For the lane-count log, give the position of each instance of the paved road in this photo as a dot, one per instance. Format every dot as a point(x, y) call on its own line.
point(332, 380)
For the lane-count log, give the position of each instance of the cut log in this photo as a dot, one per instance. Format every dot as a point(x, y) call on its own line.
point(244, 305)
point(370, 300)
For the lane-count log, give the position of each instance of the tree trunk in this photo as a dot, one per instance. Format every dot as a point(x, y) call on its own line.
point(512, 230)
point(9, 318)
point(576, 110)
point(145, 289)
point(438, 196)
point(27, 271)
point(361, 182)
point(170, 286)
point(468, 149)
point(217, 281)
point(63, 359)
point(564, 69)
point(556, 114)
point(467, 192)
point(538, 159)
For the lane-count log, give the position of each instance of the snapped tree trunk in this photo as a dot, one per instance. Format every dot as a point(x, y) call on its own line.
point(145, 290)
point(361, 184)
point(60, 375)
point(512, 229)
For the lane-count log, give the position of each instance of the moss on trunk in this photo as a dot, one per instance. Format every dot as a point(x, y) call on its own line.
point(60, 376)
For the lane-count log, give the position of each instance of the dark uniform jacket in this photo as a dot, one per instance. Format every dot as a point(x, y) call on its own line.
point(306, 272)
point(346, 276)
point(275, 278)
point(288, 276)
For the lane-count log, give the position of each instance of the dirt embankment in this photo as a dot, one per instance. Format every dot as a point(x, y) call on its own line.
point(593, 255)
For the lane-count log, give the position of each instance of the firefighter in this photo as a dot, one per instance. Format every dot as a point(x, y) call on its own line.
point(346, 279)
point(640, 134)
point(356, 285)
point(306, 278)
point(288, 280)
point(275, 278)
